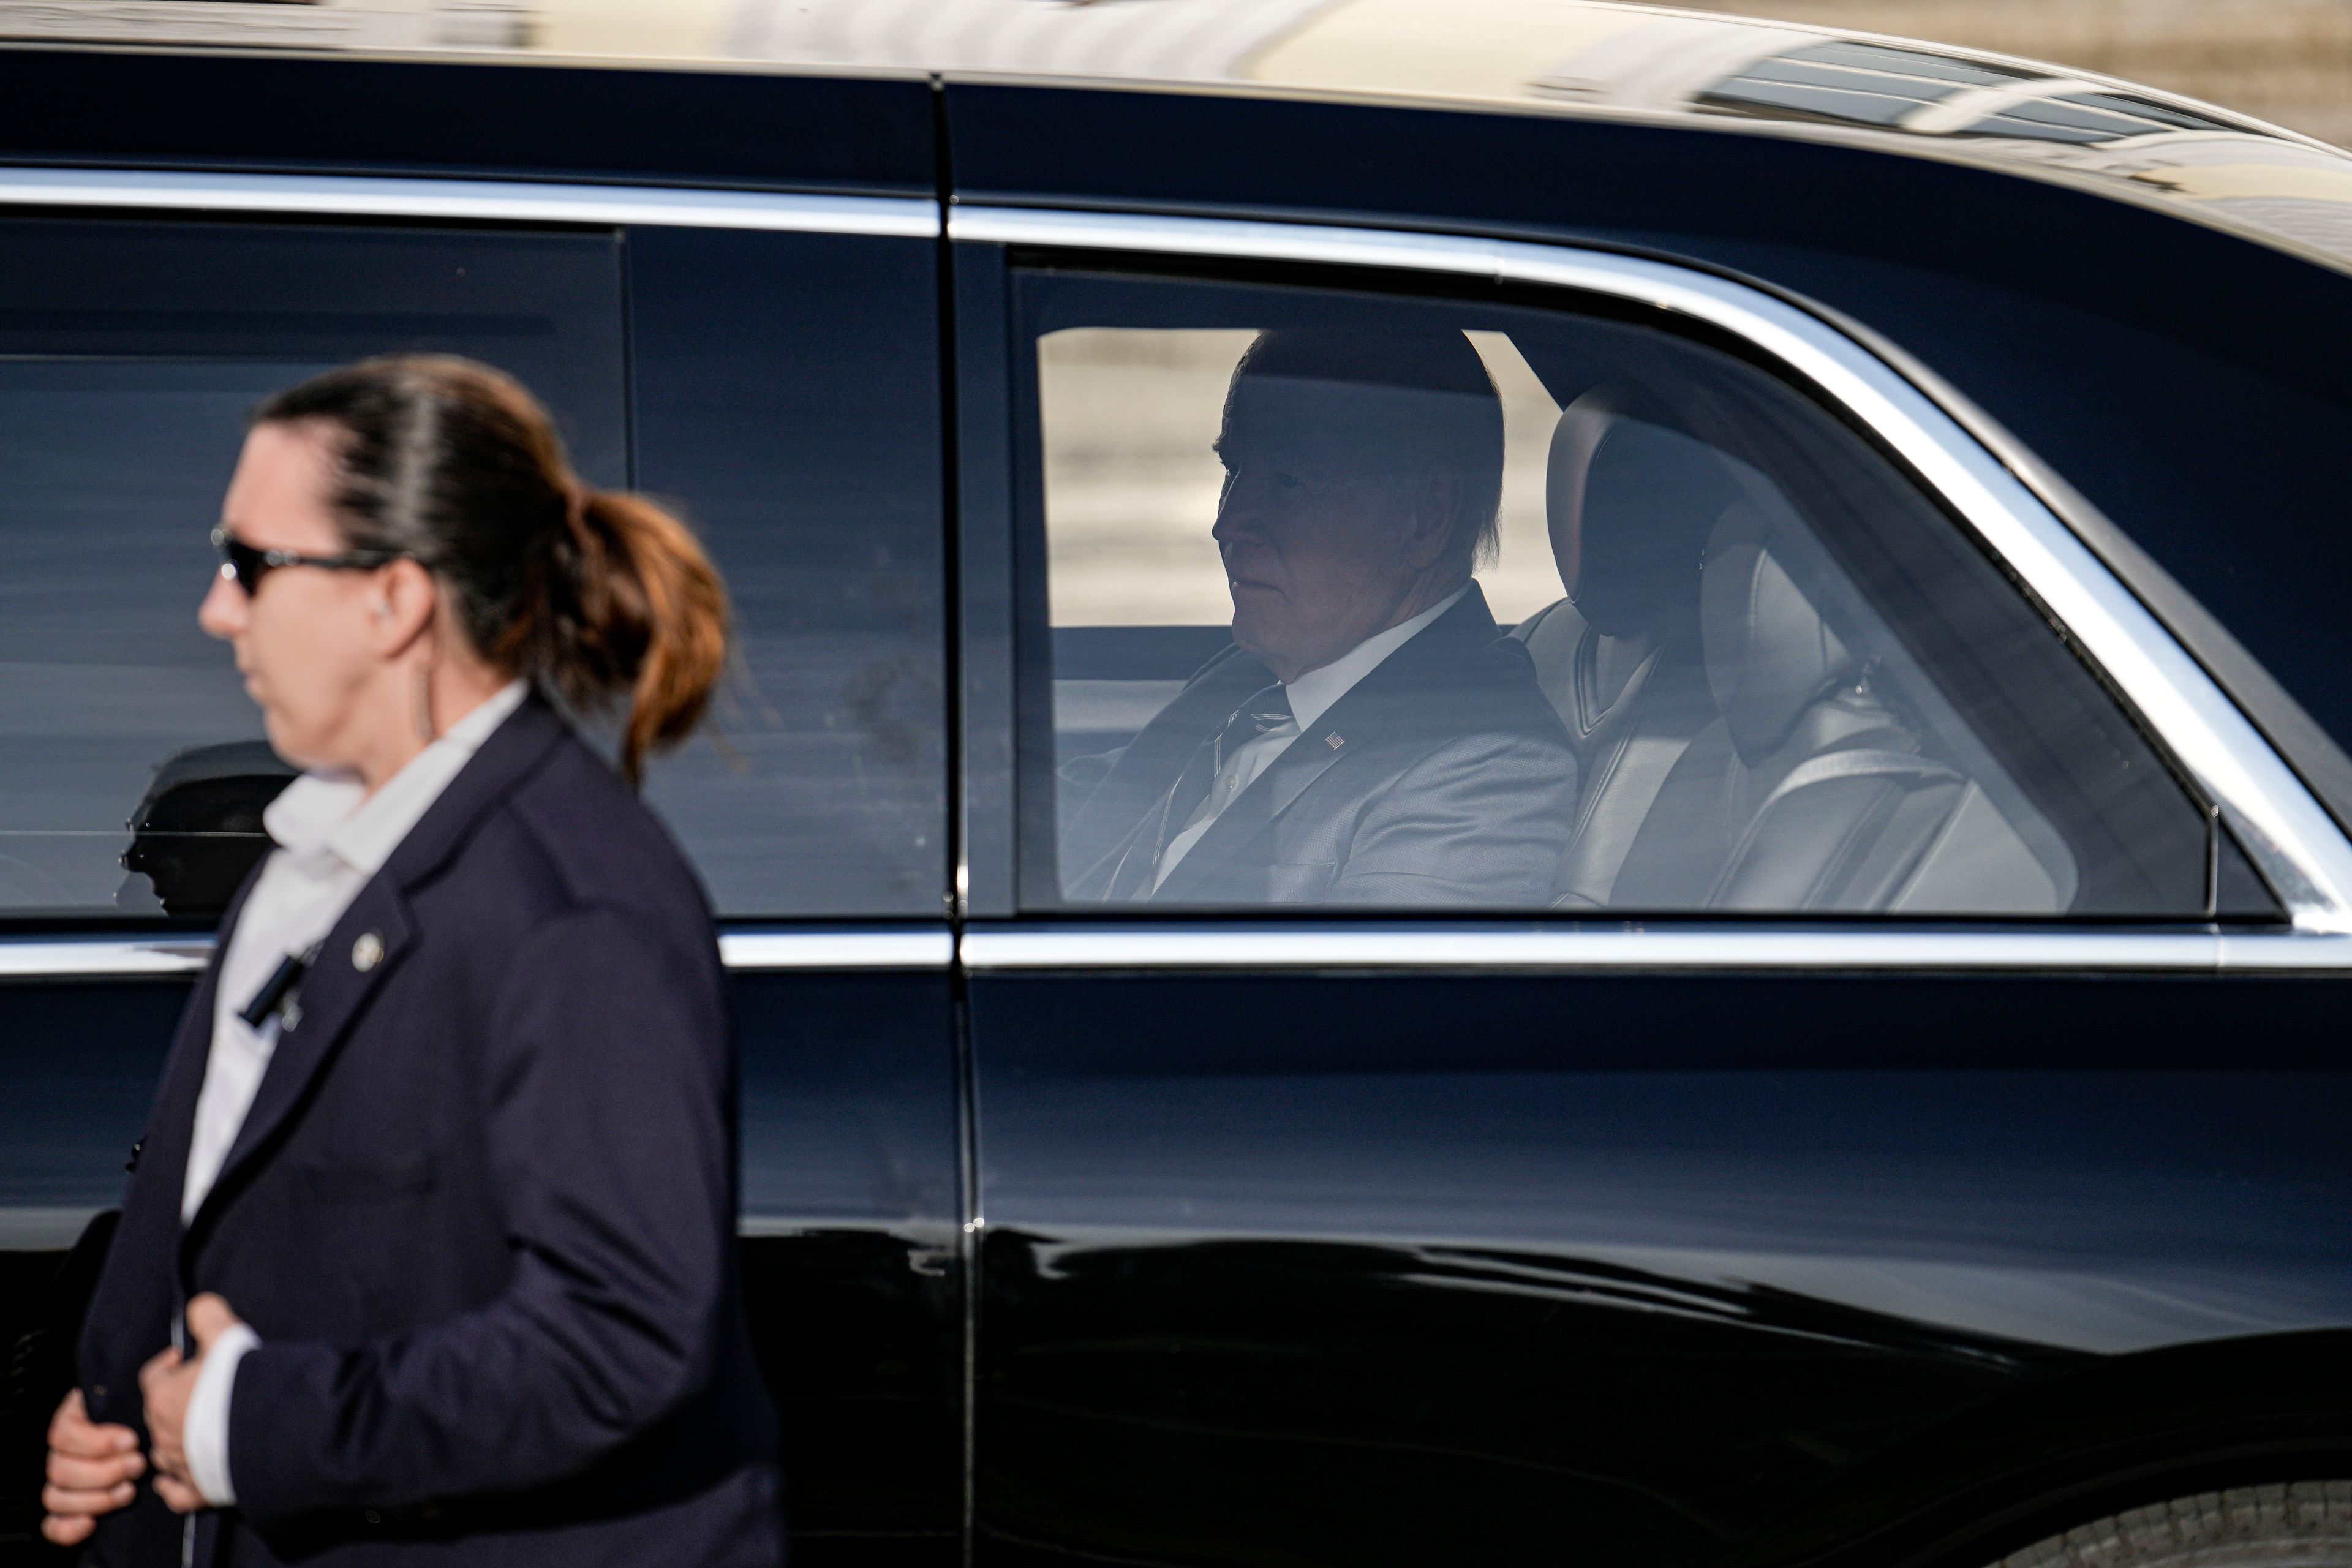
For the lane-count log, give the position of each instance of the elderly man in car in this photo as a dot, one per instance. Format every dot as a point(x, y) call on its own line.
point(1370, 738)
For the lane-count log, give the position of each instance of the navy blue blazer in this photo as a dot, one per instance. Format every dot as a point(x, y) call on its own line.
point(481, 1213)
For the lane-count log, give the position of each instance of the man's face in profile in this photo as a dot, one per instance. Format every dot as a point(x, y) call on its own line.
point(1318, 557)
point(1315, 559)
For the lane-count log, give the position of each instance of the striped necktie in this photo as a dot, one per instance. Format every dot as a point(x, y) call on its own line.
point(1266, 709)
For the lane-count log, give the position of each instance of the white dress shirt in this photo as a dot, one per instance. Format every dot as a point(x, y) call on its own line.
point(1312, 695)
point(331, 836)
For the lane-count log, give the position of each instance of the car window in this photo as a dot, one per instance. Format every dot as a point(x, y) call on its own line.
point(1340, 601)
point(780, 390)
point(787, 403)
point(132, 767)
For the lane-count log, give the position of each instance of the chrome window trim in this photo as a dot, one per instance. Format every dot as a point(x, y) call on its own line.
point(746, 950)
point(1531, 946)
point(104, 958)
point(478, 201)
point(1325, 945)
point(2284, 828)
point(842, 947)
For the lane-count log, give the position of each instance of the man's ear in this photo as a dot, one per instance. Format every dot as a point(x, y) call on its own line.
point(401, 608)
point(1436, 519)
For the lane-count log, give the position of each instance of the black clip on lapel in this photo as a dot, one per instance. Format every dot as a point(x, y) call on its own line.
point(277, 990)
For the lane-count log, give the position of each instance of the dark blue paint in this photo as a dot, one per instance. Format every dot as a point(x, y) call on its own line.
point(705, 128)
point(848, 1102)
point(81, 1060)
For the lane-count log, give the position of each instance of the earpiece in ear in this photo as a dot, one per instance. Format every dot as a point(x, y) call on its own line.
point(383, 608)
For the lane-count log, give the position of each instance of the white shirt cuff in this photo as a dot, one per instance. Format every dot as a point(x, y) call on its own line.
point(204, 1437)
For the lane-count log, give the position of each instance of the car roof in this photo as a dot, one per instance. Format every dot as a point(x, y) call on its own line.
point(1571, 58)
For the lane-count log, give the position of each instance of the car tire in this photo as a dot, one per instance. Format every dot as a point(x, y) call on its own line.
point(2297, 1524)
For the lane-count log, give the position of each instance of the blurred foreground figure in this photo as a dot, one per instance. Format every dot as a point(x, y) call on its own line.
point(429, 1251)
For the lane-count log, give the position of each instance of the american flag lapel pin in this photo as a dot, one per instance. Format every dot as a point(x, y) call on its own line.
point(1334, 741)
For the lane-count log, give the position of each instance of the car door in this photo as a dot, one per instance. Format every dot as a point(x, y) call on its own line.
point(1907, 1085)
point(768, 365)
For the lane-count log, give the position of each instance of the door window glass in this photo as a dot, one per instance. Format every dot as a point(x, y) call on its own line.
point(132, 766)
point(1335, 600)
point(787, 400)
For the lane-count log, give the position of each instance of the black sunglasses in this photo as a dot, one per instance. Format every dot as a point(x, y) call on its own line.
point(248, 565)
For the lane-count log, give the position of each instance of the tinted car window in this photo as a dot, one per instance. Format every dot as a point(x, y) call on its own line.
point(129, 356)
point(780, 389)
point(787, 401)
point(1334, 600)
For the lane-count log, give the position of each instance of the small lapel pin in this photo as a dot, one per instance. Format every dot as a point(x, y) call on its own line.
point(288, 1017)
point(367, 952)
point(1333, 741)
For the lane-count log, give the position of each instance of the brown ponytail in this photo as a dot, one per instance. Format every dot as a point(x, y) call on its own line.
point(588, 593)
point(632, 603)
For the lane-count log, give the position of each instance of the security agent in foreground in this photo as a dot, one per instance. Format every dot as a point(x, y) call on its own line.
point(429, 1253)
point(1367, 740)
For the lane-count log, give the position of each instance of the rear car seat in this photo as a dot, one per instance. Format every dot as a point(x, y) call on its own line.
point(1806, 791)
point(1631, 505)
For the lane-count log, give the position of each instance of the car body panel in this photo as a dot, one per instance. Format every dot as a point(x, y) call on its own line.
point(851, 1230)
point(1649, 1261)
point(1710, 1256)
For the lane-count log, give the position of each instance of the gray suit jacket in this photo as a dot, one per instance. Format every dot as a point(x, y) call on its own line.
point(1442, 778)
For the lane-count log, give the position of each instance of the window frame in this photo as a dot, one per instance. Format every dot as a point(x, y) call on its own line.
point(2224, 761)
point(1121, 285)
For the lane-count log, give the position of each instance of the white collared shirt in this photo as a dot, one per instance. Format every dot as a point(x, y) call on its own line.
point(332, 837)
point(1312, 695)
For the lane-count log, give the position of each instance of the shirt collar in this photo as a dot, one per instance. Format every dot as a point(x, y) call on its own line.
point(1312, 693)
point(324, 811)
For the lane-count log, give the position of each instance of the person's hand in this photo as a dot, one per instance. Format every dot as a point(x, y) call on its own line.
point(92, 1471)
point(169, 1381)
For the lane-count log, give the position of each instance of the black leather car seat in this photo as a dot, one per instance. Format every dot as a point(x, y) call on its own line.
point(1631, 505)
point(1806, 791)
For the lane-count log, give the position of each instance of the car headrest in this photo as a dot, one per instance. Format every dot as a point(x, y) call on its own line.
point(1635, 502)
point(1769, 652)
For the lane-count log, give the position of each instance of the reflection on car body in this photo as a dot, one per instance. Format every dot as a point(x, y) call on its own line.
point(198, 831)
